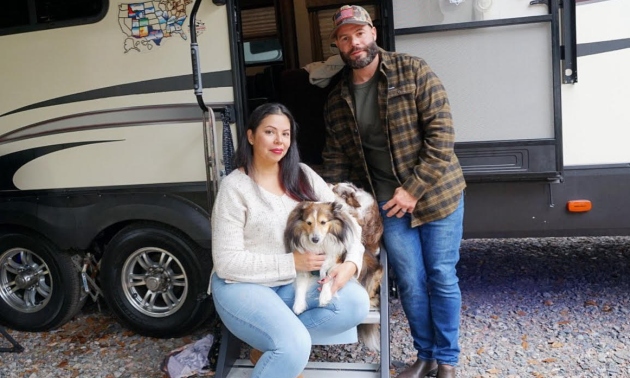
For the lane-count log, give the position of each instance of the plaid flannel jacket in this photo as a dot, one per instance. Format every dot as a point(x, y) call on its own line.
point(416, 117)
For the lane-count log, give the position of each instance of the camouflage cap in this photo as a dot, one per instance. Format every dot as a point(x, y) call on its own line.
point(350, 14)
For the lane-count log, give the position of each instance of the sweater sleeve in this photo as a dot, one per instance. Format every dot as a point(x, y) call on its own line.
point(325, 194)
point(232, 260)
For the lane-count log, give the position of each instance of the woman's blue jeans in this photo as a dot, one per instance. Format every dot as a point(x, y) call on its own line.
point(262, 317)
point(424, 259)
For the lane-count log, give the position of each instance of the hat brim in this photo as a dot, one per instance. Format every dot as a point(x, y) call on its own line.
point(333, 34)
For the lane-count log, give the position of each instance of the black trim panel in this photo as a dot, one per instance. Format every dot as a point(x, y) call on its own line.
point(538, 209)
point(517, 160)
point(75, 220)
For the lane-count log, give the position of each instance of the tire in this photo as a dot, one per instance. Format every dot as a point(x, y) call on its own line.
point(40, 287)
point(155, 281)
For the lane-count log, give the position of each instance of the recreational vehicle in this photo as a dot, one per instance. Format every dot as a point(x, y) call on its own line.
point(118, 119)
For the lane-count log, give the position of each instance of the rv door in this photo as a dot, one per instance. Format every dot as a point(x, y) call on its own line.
point(499, 63)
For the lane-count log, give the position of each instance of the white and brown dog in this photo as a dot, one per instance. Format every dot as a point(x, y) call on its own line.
point(364, 209)
point(330, 228)
point(323, 228)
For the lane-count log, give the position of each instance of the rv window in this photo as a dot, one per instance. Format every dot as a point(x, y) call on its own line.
point(262, 51)
point(259, 23)
point(260, 34)
point(440, 12)
point(31, 15)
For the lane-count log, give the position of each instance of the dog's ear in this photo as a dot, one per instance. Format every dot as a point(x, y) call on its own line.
point(348, 233)
point(291, 231)
point(337, 207)
point(302, 206)
point(352, 200)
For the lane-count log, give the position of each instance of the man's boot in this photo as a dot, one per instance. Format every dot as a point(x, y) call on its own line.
point(420, 369)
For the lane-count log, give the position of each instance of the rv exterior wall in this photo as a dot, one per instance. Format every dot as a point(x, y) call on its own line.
point(595, 114)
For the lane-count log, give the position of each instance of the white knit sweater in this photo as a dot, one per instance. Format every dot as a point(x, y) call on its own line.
point(248, 226)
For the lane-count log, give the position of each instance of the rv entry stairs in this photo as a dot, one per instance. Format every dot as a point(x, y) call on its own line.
point(229, 365)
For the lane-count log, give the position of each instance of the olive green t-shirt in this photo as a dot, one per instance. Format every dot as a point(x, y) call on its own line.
point(373, 138)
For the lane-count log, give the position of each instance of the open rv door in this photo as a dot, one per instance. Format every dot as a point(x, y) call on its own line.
point(498, 62)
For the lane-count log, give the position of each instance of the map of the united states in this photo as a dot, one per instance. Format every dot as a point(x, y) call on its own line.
point(149, 22)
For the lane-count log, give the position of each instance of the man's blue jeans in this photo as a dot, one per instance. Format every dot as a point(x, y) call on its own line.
point(423, 259)
point(262, 317)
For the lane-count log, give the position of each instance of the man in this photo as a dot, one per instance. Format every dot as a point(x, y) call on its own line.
point(389, 129)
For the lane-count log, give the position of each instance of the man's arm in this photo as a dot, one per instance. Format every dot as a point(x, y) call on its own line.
point(438, 133)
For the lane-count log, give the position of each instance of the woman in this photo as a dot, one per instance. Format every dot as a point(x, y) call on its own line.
point(252, 278)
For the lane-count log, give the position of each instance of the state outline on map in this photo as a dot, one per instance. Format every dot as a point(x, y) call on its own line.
point(146, 24)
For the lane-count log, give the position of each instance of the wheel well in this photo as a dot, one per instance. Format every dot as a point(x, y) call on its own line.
point(86, 222)
point(105, 236)
point(28, 230)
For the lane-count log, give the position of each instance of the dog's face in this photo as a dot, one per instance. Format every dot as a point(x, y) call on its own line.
point(316, 221)
point(348, 192)
point(311, 224)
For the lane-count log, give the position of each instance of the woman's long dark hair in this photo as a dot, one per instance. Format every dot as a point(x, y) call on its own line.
point(295, 182)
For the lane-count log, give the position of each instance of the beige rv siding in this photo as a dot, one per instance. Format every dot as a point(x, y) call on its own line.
point(44, 65)
point(89, 83)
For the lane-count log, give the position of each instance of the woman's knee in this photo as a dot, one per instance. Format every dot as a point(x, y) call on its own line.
point(295, 345)
point(354, 299)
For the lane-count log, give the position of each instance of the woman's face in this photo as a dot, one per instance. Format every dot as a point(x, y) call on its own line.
point(271, 140)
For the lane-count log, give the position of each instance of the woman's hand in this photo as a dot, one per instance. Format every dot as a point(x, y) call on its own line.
point(308, 262)
point(340, 275)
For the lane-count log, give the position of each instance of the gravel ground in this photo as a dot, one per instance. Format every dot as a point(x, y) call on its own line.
point(556, 307)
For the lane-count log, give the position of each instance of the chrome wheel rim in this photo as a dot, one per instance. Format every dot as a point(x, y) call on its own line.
point(154, 282)
point(26, 283)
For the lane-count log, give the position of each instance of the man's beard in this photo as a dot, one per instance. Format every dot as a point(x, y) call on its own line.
point(372, 52)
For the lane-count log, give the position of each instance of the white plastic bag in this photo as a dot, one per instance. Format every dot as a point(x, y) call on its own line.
point(190, 359)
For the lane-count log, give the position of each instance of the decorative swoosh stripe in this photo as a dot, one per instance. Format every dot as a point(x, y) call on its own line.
point(169, 84)
point(584, 49)
point(12, 162)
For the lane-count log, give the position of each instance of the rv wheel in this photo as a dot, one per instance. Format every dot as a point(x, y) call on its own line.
point(155, 281)
point(40, 288)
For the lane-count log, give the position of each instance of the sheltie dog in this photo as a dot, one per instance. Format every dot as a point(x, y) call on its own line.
point(330, 228)
point(364, 209)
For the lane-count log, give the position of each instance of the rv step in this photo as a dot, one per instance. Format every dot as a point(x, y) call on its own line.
point(230, 366)
point(243, 369)
point(373, 317)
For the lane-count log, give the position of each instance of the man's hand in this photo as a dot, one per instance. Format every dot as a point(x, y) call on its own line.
point(308, 262)
point(340, 275)
point(401, 203)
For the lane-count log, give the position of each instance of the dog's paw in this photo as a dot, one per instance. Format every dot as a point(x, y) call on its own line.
point(325, 296)
point(299, 307)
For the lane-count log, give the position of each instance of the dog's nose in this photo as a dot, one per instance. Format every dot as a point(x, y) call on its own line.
point(315, 239)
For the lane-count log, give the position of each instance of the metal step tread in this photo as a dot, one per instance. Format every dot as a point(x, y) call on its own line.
point(243, 369)
point(373, 317)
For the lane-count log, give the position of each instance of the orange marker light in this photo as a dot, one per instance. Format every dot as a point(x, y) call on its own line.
point(579, 206)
